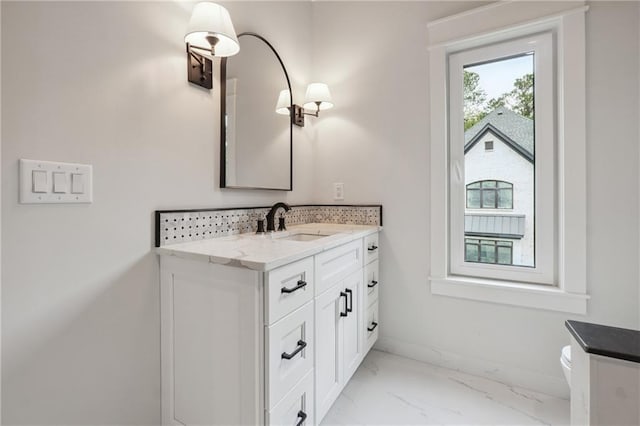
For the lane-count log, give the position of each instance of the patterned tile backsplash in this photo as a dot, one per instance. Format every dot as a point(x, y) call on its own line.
point(180, 226)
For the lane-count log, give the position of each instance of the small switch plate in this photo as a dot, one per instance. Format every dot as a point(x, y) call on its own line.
point(338, 191)
point(60, 190)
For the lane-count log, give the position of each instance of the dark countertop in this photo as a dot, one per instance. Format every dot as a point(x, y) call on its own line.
point(614, 342)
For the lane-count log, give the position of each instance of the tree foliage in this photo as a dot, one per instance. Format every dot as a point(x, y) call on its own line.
point(474, 99)
point(476, 107)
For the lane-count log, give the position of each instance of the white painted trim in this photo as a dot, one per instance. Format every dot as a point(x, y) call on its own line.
point(439, 223)
point(511, 376)
point(511, 293)
point(501, 22)
point(572, 157)
point(492, 19)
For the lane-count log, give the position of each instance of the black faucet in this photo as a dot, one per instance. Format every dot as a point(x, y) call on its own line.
point(271, 216)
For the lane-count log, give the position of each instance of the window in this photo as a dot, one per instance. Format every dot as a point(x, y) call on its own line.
point(490, 194)
point(517, 116)
point(488, 251)
point(471, 129)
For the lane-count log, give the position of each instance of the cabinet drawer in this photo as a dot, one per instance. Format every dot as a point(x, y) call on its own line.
point(372, 283)
point(288, 288)
point(296, 407)
point(371, 330)
point(290, 344)
point(335, 264)
point(371, 248)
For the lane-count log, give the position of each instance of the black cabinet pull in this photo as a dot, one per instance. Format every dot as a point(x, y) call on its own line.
point(301, 345)
point(302, 416)
point(301, 284)
point(373, 326)
point(346, 311)
point(350, 293)
point(373, 248)
point(373, 284)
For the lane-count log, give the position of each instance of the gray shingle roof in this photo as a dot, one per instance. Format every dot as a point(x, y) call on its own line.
point(518, 128)
point(494, 225)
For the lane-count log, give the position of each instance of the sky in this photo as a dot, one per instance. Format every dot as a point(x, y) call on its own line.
point(496, 78)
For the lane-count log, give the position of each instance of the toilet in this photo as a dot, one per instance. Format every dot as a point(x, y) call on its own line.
point(565, 361)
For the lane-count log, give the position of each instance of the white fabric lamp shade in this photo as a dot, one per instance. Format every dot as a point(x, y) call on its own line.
point(210, 19)
point(284, 102)
point(318, 92)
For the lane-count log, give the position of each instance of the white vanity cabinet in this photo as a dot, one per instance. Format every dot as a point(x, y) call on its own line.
point(241, 346)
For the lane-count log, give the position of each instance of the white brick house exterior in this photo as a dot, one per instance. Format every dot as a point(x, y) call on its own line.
point(511, 160)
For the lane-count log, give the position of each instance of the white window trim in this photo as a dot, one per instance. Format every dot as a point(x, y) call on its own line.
point(492, 23)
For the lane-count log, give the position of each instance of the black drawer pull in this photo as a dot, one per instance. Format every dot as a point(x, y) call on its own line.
point(301, 284)
point(346, 311)
point(373, 284)
point(303, 416)
point(350, 293)
point(373, 326)
point(301, 345)
point(373, 248)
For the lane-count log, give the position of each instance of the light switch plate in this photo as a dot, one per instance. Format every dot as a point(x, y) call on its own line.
point(59, 173)
point(338, 191)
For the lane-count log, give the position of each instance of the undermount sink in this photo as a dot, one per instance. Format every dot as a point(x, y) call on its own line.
point(303, 237)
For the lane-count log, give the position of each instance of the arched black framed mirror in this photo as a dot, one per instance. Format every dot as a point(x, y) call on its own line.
point(256, 142)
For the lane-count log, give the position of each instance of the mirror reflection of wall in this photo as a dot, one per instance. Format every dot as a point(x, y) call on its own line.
point(257, 140)
point(230, 126)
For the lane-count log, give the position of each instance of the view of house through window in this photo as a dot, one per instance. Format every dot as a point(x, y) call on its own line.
point(499, 161)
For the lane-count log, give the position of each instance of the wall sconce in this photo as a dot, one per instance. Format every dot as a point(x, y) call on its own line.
point(210, 33)
point(316, 99)
point(284, 102)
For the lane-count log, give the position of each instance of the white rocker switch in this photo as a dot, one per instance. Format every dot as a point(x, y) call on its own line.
point(77, 183)
point(39, 181)
point(59, 182)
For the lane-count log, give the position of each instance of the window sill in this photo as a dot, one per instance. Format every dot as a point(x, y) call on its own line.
point(511, 293)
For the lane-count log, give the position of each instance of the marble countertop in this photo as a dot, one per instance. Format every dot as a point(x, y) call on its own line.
point(614, 342)
point(268, 251)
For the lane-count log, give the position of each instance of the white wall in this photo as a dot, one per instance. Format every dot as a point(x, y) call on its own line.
point(105, 83)
point(381, 96)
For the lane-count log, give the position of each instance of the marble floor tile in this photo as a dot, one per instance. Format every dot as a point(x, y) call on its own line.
point(392, 390)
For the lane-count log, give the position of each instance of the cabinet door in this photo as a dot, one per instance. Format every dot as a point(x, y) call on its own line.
point(371, 248)
point(328, 358)
point(334, 265)
point(296, 407)
point(352, 324)
point(288, 288)
point(371, 281)
point(290, 349)
point(371, 326)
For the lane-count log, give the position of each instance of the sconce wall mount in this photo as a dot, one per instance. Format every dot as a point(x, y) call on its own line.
point(199, 69)
point(317, 98)
point(210, 34)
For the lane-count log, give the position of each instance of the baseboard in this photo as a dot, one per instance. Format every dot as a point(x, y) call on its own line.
point(536, 381)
